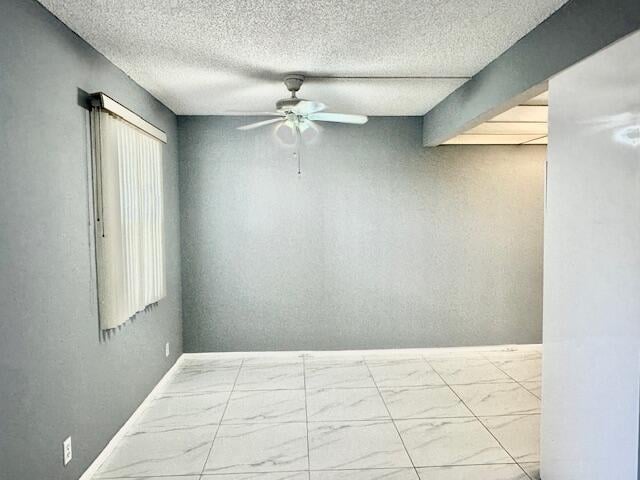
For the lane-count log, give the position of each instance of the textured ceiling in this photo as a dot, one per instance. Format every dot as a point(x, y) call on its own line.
point(210, 56)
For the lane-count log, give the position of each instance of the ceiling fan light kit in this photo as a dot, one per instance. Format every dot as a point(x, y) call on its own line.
point(299, 114)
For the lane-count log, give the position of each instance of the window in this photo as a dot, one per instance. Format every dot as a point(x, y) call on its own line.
point(128, 201)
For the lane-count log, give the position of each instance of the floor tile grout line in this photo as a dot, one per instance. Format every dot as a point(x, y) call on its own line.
point(406, 450)
point(377, 419)
point(137, 477)
point(215, 435)
point(384, 387)
point(220, 474)
point(500, 443)
point(512, 378)
point(306, 411)
point(267, 472)
point(476, 417)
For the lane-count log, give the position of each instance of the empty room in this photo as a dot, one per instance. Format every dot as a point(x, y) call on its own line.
point(322, 240)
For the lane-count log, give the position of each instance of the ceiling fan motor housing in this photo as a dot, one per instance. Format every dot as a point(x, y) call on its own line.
point(293, 81)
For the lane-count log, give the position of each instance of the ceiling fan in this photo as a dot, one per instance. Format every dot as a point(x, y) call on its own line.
point(297, 114)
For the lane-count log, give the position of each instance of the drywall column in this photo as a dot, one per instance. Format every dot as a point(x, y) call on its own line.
point(591, 326)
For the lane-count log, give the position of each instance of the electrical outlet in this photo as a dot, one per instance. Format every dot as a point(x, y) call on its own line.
point(166, 349)
point(67, 452)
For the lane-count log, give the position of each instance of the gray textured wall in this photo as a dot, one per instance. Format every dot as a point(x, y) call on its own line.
point(380, 243)
point(57, 378)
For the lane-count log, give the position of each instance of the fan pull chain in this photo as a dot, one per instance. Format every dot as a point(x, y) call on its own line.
point(298, 152)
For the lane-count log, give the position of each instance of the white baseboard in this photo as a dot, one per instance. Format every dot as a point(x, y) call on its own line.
point(97, 463)
point(341, 353)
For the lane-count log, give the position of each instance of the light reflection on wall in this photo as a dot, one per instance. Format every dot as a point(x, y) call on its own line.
point(628, 135)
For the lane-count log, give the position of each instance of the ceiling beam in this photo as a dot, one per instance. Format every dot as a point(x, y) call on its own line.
point(575, 31)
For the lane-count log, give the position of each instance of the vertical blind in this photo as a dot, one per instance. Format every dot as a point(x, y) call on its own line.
point(128, 199)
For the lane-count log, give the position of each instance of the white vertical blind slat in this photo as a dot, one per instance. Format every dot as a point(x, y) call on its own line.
point(130, 254)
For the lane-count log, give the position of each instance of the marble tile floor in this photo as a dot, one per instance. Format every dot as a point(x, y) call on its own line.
point(450, 414)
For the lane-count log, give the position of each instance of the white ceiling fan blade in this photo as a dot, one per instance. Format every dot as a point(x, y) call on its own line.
point(306, 107)
point(251, 126)
point(249, 113)
point(338, 117)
